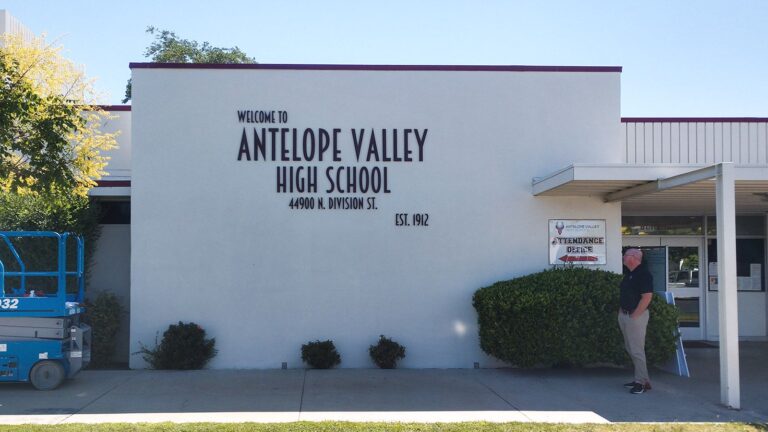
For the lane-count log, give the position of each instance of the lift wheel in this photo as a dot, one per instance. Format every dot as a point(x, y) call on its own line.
point(47, 375)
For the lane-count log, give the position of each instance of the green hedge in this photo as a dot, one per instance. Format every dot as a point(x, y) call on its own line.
point(103, 315)
point(70, 213)
point(564, 317)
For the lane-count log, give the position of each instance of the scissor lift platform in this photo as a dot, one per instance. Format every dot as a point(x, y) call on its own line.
point(41, 337)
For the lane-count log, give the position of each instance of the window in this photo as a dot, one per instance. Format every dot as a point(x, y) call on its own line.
point(662, 225)
point(750, 256)
point(115, 212)
point(745, 226)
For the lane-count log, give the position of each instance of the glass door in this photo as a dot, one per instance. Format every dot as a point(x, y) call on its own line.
point(675, 264)
point(684, 264)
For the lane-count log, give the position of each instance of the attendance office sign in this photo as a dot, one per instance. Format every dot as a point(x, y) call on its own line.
point(577, 241)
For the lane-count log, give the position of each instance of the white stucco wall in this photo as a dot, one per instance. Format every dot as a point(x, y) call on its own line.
point(751, 314)
point(110, 272)
point(213, 242)
point(119, 166)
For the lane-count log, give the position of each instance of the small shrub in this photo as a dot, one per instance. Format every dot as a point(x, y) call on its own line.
point(183, 347)
point(320, 354)
point(565, 317)
point(103, 315)
point(386, 353)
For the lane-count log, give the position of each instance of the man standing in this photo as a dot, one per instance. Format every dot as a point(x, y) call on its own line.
point(636, 294)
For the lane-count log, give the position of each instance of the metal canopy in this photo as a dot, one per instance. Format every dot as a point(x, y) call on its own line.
point(695, 189)
point(706, 173)
point(613, 182)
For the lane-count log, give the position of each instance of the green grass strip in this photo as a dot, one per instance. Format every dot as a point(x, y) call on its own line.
point(388, 427)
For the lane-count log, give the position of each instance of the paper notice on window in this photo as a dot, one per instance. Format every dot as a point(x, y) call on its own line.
point(713, 269)
point(755, 271)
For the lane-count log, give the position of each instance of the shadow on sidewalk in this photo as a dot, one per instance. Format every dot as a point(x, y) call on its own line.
point(538, 392)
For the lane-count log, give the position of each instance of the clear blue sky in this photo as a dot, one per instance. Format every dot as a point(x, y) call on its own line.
point(702, 58)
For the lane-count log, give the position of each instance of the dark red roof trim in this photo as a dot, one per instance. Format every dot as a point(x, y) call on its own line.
point(115, 107)
point(113, 183)
point(694, 119)
point(377, 67)
point(109, 107)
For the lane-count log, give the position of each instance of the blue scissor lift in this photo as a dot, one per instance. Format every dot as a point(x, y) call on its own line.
point(41, 337)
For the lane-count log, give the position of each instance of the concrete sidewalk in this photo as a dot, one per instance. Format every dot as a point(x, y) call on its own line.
point(499, 395)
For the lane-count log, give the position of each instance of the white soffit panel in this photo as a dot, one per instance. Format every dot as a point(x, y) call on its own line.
point(699, 197)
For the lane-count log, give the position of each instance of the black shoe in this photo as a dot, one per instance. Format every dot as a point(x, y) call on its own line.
point(630, 384)
point(638, 389)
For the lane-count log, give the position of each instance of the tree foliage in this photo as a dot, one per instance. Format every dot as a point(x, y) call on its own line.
point(169, 48)
point(50, 137)
point(38, 212)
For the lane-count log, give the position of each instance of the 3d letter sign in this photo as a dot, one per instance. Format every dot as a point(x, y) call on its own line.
point(576, 241)
point(330, 168)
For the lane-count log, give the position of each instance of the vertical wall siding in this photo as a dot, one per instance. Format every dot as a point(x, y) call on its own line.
point(695, 142)
point(9, 24)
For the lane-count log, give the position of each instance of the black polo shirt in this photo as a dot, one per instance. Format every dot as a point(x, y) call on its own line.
point(634, 284)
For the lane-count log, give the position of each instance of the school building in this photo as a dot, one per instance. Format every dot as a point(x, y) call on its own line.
point(278, 204)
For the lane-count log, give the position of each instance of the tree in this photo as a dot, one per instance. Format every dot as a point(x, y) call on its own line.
point(169, 48)
point(50, 138)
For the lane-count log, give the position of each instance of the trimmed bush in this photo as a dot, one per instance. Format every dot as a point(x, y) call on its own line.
point(386, 353)
point(565, 317)
point(184, 346)
point(103, 315)
point(320, 354)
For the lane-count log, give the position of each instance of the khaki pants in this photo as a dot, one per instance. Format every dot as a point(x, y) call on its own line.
point(633, 331)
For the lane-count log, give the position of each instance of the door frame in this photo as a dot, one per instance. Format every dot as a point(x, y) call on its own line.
point(687, 333)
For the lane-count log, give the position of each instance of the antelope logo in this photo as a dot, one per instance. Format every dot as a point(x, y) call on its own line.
point(559, 226)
